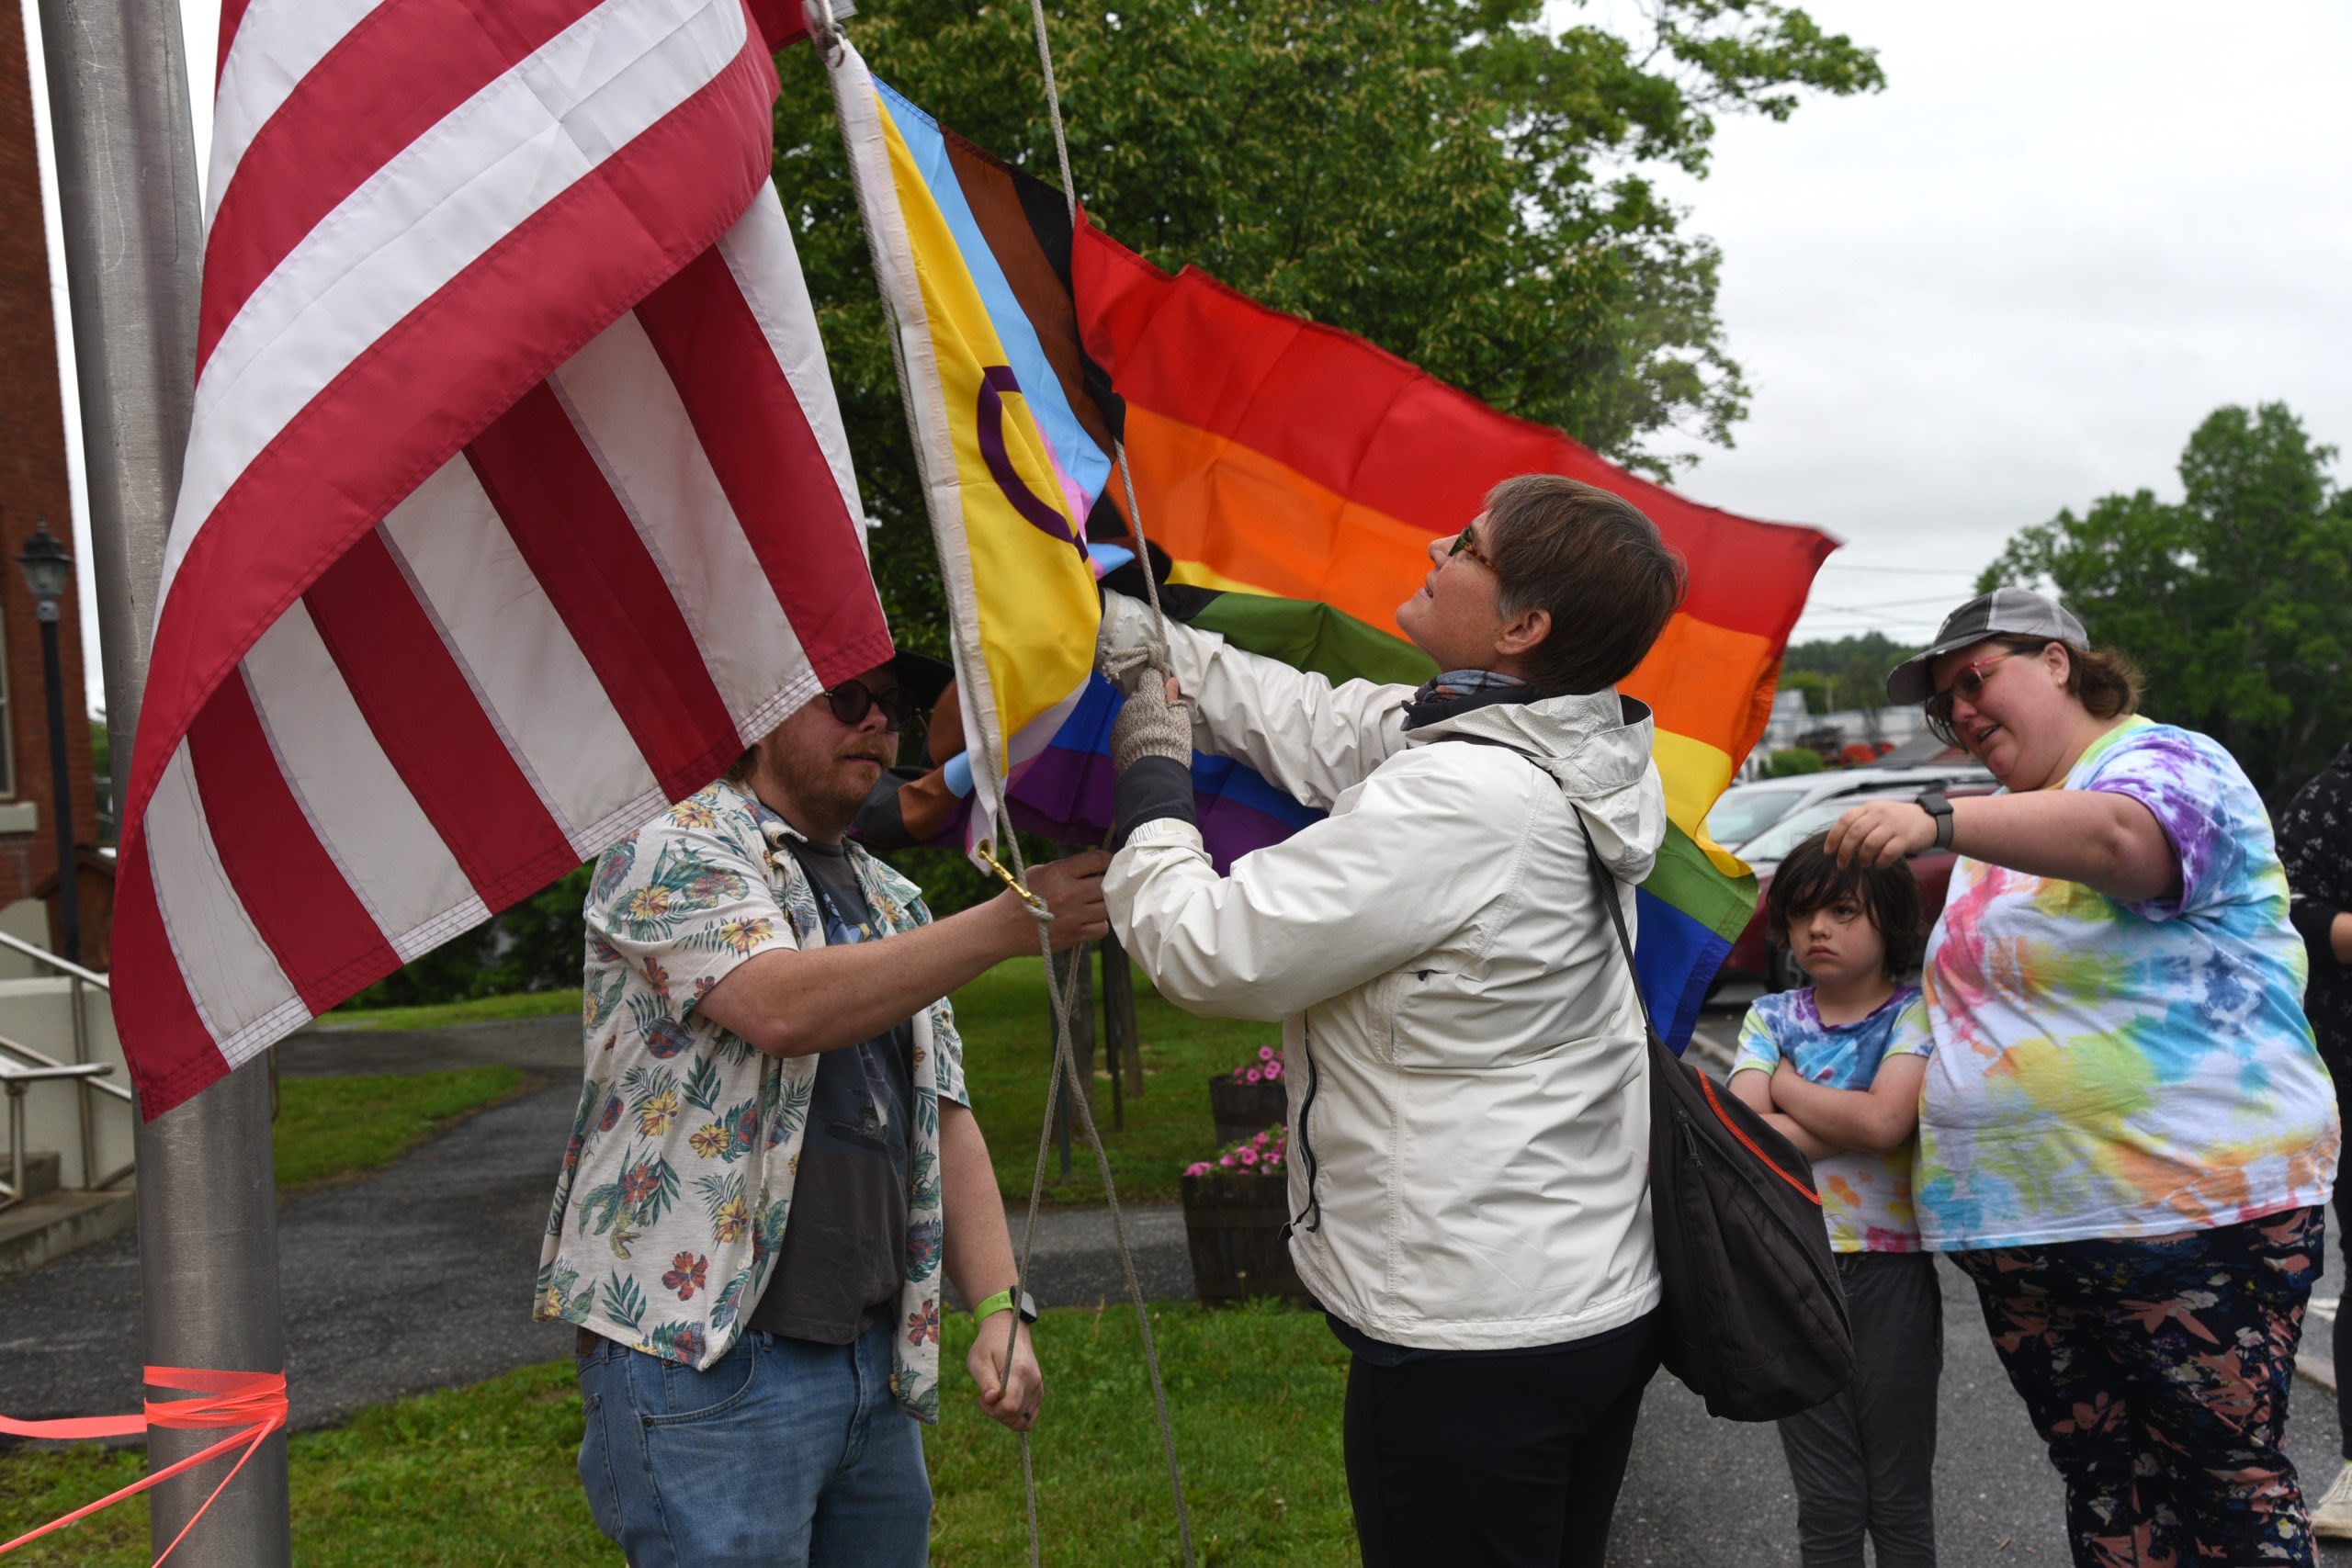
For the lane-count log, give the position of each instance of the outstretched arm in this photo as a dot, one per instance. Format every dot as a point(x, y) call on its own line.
point(2109, 842)
point(1753, 1088)
point(1877, 1119)
point(1303, 734)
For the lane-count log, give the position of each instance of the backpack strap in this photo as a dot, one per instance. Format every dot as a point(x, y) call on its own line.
point(1604, 881)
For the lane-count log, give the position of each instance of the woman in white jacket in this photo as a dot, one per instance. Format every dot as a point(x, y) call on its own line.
point(1469, 1110)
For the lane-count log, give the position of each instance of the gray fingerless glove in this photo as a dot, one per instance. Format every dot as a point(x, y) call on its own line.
point(1151, 726)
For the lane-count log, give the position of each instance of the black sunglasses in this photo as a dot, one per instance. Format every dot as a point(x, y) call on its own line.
point(852, 701)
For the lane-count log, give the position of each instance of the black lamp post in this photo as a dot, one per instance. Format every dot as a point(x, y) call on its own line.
point(49, 572)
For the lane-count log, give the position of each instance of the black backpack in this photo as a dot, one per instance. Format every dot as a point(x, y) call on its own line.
point(1755, 1319)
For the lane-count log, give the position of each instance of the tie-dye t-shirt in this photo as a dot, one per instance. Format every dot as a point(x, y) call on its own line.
point(1865, 1198)
point(2113, 1069)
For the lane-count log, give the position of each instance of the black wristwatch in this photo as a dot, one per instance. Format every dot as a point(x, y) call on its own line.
point(1937, 807)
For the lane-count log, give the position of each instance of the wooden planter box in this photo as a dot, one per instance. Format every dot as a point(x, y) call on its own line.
point(1245, 1109)
point(1233, 1222)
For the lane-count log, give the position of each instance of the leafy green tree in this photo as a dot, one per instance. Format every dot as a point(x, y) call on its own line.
point(2236, 600)
point(1790, 760)
point(1816, 687)
point(1453, 181)
point(1852, 668)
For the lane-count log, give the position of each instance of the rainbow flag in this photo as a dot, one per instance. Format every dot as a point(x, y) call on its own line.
point(1013, 451)
point(1290, 478)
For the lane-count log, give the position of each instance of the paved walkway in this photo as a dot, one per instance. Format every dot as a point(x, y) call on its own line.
point(419, 1277)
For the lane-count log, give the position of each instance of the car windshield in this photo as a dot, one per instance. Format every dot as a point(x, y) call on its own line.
point(1740, 815)
point(1773, 846)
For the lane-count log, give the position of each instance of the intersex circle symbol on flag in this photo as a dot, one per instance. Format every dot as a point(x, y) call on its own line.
point(995, 381)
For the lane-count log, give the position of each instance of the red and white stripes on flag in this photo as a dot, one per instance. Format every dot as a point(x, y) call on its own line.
point(515, 502)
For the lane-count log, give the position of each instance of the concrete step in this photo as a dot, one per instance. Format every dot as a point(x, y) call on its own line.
point(41, 1167)
point(40, 1229)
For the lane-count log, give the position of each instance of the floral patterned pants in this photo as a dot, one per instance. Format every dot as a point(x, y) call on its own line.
point(2157, 1371)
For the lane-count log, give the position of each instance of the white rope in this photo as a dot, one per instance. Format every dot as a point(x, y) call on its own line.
point(1065, 1057)
point(1118, 443)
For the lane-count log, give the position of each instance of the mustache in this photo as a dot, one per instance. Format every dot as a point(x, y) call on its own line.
point(885, 755)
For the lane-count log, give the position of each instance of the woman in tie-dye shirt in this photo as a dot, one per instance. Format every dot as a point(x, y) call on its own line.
point(2126, 1136)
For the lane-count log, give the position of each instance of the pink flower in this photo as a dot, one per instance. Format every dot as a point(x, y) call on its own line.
point(1272, 1071)
point(1258, 1142)
point(1255, 1075)
point(1198, 1168)
point(1225, 1160)
point(1265, 1053)
point(1273, 1162)
point(1248, 1156)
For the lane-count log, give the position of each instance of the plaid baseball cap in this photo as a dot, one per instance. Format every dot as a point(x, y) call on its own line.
point(2005, 612)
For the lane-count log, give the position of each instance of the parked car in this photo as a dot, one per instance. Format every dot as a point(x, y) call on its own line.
point(1753, 956)
point(1745, 810)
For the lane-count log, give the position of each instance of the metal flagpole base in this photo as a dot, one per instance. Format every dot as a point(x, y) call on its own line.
point(134, 234)
point(207, 1264)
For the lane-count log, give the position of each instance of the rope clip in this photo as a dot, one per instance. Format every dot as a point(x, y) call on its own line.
point(1037, 905)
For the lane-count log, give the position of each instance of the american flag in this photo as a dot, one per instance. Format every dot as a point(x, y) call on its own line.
point(515, 501)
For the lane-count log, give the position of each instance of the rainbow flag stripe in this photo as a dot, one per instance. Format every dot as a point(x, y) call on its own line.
point(1293, 476)
point(1272, 455)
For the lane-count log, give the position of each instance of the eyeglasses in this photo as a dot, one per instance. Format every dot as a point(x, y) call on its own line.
point(1466, 543)
point(852, 699)
point(1969, 684)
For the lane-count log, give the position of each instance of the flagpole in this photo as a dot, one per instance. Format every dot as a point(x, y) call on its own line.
point(208, 1233)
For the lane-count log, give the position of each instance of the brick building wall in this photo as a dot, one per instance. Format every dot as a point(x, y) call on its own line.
point(33, 485)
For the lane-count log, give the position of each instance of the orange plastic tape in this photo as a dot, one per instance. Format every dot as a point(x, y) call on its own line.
point(254, 1404)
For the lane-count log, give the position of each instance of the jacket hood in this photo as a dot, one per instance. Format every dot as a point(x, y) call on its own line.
point(1596, 746)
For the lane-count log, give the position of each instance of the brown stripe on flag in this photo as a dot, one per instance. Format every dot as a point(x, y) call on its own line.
point(1011, 210)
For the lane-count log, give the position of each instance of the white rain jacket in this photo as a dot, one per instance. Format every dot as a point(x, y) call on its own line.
point(1454, 1001)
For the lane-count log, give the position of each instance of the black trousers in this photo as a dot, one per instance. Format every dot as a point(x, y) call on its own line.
point(2339, 1067)
point(1506, 1461)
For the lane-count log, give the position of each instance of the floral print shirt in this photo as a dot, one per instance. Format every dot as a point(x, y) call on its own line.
point(677, 1184)
point(1865, 1198)
point(2105, 1069)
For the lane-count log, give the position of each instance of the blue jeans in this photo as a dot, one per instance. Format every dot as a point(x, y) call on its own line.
point(785, 1453)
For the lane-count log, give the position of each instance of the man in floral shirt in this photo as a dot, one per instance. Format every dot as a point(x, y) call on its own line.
point(772, 1161)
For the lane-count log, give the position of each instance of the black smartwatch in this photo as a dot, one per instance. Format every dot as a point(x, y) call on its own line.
point(1938, 808)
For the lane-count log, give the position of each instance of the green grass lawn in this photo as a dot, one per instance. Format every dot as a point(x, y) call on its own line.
point(1008, 1052)
point(484, 1476)
point(339, 1126)
point(1007, 1026)
point(440, 1015)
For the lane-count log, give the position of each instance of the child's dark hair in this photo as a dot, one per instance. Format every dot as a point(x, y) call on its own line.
point(1810, 879)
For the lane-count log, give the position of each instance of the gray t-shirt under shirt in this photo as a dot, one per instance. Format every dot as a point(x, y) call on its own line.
point(843, 1253)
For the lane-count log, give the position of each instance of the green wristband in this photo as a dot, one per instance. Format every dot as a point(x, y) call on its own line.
point(1000, 1301)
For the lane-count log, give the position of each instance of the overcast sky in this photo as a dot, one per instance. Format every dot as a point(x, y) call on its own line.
point(2013, 281)
point(2016, 278)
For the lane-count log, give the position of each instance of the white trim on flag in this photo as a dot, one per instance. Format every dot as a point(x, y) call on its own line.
point(277, 45)
point(232, 975)
point(621, 401)
point(759, 251)
point(539, 690)
point(354, 799)
point(406, 233)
